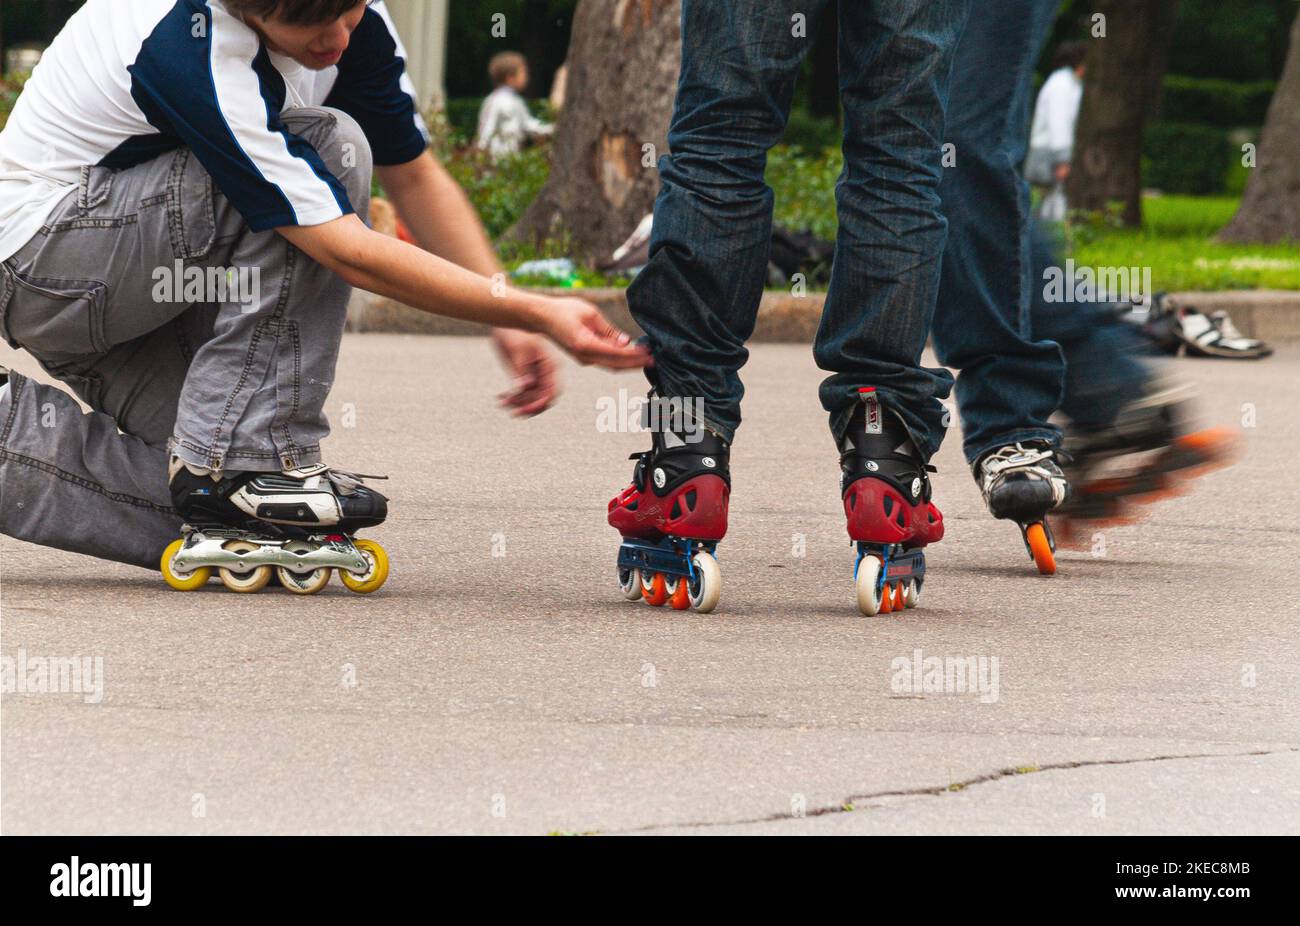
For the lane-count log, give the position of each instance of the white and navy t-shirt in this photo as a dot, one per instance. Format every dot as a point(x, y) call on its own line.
point(128, 80)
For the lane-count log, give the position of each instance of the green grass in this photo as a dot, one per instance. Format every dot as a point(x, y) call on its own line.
point(1176, 242)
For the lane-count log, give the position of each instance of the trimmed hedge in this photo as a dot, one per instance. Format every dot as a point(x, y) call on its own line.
point(1183, 158)
point(811, 134)
point(1208, 101)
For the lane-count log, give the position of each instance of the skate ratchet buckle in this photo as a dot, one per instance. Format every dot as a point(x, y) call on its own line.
point(888, 577)
point(675, 571)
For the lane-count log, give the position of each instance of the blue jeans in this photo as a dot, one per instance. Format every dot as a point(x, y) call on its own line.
point(1021, 358)
point(1102, 369)
point(698, 297)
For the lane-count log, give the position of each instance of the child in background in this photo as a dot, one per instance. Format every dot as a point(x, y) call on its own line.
point(504, 122)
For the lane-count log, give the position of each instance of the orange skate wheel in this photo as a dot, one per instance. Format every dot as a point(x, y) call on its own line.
point(1040, 548)
point(900, 600)
point(886, 600)
point(1215, 444)
point(656, 592)
point(680, 597)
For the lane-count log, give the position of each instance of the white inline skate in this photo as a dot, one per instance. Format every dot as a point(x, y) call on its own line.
point(1022, 482)
point(296, 526)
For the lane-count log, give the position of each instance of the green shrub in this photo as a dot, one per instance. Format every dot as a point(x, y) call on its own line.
point(10, 86)
point(810, 134)
point(503, 189)
point(1182, 158)
point(462, 115)
point(1233, 39)
point(805, 189)
point(1208, 101)
point(1238, 176)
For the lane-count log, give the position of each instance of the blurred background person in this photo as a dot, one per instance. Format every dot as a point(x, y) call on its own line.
point(1051, 136)
point(504, 122)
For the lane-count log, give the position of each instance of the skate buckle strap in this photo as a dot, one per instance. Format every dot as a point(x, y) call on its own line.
point(872, 419)
point(347, 481)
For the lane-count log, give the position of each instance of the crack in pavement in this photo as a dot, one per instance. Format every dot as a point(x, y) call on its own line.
point(848, 804)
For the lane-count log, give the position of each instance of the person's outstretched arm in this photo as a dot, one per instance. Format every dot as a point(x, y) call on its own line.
point(380, 264)
point(443, 221)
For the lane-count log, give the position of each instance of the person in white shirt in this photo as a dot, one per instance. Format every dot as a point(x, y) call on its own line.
point(184, 186)
point(504, 121)
point(1051, 137)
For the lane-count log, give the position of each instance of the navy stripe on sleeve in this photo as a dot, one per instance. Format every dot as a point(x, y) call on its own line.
point(173, 84)
point(369, 89)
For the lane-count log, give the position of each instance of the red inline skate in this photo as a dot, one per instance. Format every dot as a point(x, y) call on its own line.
point(886, 489)
point(672, 517)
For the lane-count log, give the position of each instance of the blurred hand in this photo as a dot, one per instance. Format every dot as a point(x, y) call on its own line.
point(1063, 172)
point(529, 361)
point(585, 334)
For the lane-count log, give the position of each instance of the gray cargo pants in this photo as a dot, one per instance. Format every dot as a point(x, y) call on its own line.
point(120, 296)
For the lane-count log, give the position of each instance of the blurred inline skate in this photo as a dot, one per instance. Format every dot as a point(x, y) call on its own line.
point(1152, 451)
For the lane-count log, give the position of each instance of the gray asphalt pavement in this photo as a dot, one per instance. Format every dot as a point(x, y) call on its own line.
point(499, 684)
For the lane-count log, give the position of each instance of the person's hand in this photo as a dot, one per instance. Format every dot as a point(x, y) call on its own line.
point(1063, 172)
point(529, 361)
point(585, 334)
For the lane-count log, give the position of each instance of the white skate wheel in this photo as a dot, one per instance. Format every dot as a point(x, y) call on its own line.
point(912, 594)
point(629, 580)
point(869, 590)
point(707, 589)
point(248, 580)
point(302, 583)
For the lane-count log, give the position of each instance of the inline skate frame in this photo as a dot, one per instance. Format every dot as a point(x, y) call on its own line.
point(1148, 454)
point(673, 515)
point(296, 527)
point(886, 490)
point(1022, 482)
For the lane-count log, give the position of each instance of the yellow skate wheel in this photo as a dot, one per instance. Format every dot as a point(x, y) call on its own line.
point(182, 581)
point(374, 578)
point(249, 581)
point(1040, 548)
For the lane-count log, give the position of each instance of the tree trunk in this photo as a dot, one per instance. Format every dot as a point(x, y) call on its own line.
point(1126, 69)
point(623, 62)
point(1270, 207)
